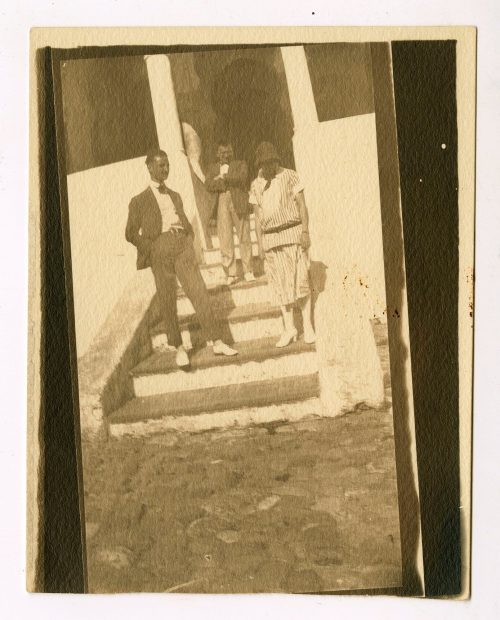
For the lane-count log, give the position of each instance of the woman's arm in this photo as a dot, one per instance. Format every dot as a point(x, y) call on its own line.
point(195, 165)
point(305, 241)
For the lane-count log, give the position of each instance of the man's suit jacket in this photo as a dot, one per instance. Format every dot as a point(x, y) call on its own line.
point(236, 181)
point(144, 222)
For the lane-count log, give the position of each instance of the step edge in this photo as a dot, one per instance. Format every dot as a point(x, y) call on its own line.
point(242, 285)
point(191, 319)
point(311, 393)
point(273, 353)
point(240, 419)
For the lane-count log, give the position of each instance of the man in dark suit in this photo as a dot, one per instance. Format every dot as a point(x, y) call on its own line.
point(228, 180)
point(163, 236)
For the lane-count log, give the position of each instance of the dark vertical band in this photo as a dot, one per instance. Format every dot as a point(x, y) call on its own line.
point(425, 95)
point(61, 561)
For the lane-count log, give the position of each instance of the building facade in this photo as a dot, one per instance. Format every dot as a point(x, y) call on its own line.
point(314, 102)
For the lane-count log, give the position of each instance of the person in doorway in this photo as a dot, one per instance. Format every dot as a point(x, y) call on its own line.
point(163, 236)
point(278, 198)
point(228, 179)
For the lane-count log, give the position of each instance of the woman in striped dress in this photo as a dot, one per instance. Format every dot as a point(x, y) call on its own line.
point(278, 198)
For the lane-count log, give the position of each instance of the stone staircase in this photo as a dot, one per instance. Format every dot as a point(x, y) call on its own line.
point(262, 384)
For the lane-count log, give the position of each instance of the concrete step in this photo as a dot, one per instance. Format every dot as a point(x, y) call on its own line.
point(257, 360)
point(241, 323)
point(214, 256)
point(224, 296)
point(214, 274)
point(258, 402)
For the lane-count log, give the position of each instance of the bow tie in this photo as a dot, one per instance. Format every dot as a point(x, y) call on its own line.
point(162, 188)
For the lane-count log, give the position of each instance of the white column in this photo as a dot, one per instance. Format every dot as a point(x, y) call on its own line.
point(299, 87)
point(306, 130)
point(169, 132)
point(330, 160)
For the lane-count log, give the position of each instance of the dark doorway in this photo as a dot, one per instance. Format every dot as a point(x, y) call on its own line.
point(237, 95)
point(246, 96)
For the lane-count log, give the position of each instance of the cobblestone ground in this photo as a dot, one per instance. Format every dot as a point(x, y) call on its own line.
point(302, 507)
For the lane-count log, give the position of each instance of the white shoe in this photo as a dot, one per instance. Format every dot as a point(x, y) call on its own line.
point(181, 357)
point(309, 336)
point(249, 277)
point(286, 338)
point(164, 347)
point(231, 280)
point(221, 348)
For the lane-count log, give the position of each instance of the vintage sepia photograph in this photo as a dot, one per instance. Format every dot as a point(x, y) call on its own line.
point(234, 259)
point(228, 279)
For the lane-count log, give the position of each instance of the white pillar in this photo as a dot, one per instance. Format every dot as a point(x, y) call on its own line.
point(299, 87)
point(169, 132)
point(306, 129)
point(350, 371)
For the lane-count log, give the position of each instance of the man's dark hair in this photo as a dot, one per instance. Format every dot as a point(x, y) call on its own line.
point(223, 142)
point(152, 154)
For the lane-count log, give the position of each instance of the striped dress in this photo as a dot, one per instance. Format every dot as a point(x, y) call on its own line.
point(277, 211)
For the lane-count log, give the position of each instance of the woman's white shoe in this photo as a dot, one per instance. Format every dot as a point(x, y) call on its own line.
point(286, 338)
point(221, 348)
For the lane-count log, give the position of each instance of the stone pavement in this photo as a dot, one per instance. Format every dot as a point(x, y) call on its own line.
point(297, 507)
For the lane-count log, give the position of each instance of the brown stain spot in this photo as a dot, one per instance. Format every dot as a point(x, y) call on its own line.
point(470, 276)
